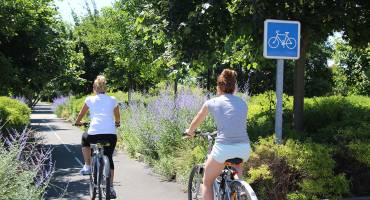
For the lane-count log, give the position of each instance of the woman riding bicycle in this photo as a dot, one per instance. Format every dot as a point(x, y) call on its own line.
point(232, 141)
point(105, 117)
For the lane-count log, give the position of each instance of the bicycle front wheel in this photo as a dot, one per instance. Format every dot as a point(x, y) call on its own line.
point(195, 183)
point(241, 190)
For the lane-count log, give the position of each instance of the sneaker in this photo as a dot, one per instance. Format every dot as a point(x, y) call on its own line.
point(113, 194)
point(85, 171)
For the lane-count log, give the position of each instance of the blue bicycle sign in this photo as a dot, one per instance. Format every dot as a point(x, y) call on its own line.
point(281, 39)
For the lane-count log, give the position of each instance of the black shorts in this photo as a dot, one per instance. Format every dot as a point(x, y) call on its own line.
point(108, 151)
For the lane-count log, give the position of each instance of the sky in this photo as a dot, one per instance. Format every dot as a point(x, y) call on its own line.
point(64, 7)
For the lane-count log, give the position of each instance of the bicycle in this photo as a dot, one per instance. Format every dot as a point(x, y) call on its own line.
point(226, 186)
point(288, 42)
point(100, 176)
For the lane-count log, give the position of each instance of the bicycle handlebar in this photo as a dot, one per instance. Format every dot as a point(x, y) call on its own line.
point(87, 124)
point(84, 124)
point(202, 134)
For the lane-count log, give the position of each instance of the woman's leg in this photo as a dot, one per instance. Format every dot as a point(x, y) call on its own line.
point(86, 152)
point(211, 172)
point(112, 139)
point(112, 176)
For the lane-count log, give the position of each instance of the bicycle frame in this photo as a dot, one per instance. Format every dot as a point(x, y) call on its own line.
point(278, 37)
point(226, 175)
point(98, 155)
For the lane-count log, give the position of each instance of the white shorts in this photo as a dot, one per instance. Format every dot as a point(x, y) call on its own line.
point(222, 152)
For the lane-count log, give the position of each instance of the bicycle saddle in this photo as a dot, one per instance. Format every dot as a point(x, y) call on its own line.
point(102, 143)
point(234, 161)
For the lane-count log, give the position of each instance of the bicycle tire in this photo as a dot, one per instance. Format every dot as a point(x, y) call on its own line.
point(273, 42)
point(93, 180)
point(100, 191)
point(241, 190)
point(292, 44)
point(194, 183)
point(107, 188)
point(106, 178)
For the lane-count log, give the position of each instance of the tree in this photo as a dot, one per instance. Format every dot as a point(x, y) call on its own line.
point(352, 70)
point(32, 43)
point(318, 18)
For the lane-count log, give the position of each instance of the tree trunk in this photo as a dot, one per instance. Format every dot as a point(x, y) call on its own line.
point(299, 85)
point(175, 87)
point(209, 73)
point(129, 94)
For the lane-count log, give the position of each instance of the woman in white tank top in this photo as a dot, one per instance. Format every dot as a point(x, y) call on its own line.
point(105, 117)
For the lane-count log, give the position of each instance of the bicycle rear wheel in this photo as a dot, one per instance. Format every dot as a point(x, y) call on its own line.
point(195, 183)
point(241, 190)
point(93, 180)
point(106, 184)
point(100, 179)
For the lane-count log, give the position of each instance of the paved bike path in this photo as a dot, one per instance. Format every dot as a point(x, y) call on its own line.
point(134, 180)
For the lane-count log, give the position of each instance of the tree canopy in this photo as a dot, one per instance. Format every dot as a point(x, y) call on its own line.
point(140, 43)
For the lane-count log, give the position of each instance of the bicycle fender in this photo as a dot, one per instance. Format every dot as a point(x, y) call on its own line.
point(249, 189)
point(106, 166)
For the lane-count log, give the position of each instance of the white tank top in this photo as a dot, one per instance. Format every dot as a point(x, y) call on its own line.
point(101, 108)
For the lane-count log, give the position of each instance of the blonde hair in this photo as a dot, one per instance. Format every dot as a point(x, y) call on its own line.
point(100, 84)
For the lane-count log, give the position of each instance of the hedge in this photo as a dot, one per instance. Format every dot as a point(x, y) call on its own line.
point(13, 114)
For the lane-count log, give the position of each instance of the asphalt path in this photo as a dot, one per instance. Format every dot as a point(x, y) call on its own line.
point(134, 180)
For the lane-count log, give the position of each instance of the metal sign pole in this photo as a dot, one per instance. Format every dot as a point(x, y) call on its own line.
point(281, 41)
point(279, 100)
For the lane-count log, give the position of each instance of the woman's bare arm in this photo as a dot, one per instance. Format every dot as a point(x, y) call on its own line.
point(198, 119)
point(117, 115)
point(82, 113)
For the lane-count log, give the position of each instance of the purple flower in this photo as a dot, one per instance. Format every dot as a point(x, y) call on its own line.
point(62, 100)
point(34, 157)
point(21, 99)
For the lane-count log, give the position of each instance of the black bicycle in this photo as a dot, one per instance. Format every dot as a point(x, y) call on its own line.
point(100, 176)
point(226, 186)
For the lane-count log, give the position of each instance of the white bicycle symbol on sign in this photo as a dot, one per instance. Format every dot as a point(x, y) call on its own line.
point(282, 39)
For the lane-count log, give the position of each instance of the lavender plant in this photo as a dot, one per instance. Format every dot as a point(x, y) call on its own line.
point(31, 166)
point(21, 99)
point(154, 130)
point(58, 101)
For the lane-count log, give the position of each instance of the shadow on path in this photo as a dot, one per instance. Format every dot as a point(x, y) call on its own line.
point(67, 166)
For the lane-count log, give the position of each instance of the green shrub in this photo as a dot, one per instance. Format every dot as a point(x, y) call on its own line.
point(337, 119)
point(294, 170)
point(13, 114)
point(334, 119)
point(261, 114)
point(360, 150)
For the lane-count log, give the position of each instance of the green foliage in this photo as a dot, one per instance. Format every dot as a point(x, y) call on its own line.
point(261, 114)
point(332, 119)
point(151, 131)
point(32, 46)
point(361, 151)
point(352, 73)
point(13, 114)
point(294, 170)
point(16, 183)
point(71, 109)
